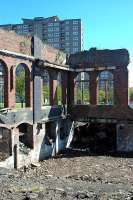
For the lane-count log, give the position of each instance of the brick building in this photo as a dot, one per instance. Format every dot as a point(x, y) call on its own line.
point(87, 87)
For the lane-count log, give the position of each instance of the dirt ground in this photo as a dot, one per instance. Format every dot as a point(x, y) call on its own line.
point(72, 175)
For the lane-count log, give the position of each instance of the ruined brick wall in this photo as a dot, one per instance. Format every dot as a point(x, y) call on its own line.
point(106, 57)
point(85, 112)
point(53, 55)
point(121, 86)
point(46, 52)
point(125, 137)
point(10, 41)
point(10, 67)
point(5, 143)
point(120, 93)
point(115, 61)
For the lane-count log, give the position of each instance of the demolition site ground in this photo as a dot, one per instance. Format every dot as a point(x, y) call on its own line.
point(74, 174)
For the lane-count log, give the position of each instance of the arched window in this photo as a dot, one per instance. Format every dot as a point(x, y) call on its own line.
point(59, 89)
point(82, 92)
point(45, 88)
point(105, 88)
point(2, 77)
point(22, 86)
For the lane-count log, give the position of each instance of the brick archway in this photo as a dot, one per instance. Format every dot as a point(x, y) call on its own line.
point(4, 82)
point(27, 78)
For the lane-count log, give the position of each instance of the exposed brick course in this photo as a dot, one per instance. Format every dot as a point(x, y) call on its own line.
point(10, 66)
point(21, 44)
point(9, 40)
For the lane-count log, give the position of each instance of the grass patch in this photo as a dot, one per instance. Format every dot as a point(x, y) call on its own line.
point(19, 105)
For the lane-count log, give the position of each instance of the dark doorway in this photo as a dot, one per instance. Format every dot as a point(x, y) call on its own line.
point(50, 133)
point(25, 137)
point(96, 137)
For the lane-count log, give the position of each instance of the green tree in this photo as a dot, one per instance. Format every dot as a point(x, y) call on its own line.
point(131, 94)
point(46, 94)
point(20, 88)
point(101, 97)
point(59, 94)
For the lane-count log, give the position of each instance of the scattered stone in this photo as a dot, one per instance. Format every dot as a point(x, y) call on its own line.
point(49, 175)
point(75, 177)
point(82, 195)
point(35, 164)
point(3, 156)
point(40, 195)
point(27, 197)
point(33, 196)
point(60, 189)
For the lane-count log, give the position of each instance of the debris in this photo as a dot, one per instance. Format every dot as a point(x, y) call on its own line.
point(33, 164)
point(3, 156)
point(74, 176)
point(23, 149)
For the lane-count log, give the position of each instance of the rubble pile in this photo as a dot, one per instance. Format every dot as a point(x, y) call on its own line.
point(73, 175)
point(23, 148)
point(3, 156)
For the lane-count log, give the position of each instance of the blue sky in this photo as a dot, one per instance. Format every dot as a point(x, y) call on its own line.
point(107, 23)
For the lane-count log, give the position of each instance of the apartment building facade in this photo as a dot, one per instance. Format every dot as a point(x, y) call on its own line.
point(66, 35)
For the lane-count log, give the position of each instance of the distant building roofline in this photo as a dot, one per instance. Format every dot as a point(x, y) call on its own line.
point(55, 18)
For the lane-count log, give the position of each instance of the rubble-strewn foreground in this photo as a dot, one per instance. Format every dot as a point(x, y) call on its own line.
point(71, 176)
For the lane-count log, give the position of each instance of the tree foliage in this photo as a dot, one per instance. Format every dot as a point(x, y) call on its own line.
point(59, 94)
point(20, 87)
point(131, 94)
point(46, 94)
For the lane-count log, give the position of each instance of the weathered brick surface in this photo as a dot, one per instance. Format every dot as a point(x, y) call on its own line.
point(93, 87)
point(20, 44)
point(10, 68)
point(121, 86)
point(64, 88)
point(101, 112)
point(46, 52)
point(9, 40)
point(105, 57)
point(71, 88)
point(53, 55)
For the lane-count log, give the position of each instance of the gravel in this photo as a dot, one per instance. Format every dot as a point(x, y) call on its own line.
point(70, 176)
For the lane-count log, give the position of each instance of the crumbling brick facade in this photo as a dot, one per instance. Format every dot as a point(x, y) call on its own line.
point(10, 64)
point(12, 42)
point(37, 58)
